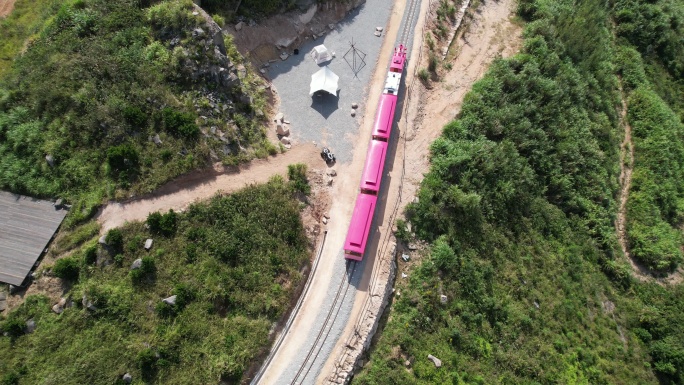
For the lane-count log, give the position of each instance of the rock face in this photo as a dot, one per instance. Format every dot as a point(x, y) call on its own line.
point(435, 360)
point(30, 326)
point(136, 264)
point(170, 300)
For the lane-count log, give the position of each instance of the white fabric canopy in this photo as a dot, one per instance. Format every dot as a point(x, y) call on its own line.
point(324, 80)
point(321, 54)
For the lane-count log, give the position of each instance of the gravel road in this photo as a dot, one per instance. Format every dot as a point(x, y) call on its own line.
point(327, 120)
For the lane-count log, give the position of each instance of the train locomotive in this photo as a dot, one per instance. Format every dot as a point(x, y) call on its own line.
point(364, 209)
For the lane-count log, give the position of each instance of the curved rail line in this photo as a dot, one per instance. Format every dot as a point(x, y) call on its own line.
point(329, 321)
point(286, 329)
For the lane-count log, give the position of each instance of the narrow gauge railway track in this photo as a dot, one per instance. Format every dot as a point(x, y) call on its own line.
point(327, 325)
point(257, 377)
point(412, 13)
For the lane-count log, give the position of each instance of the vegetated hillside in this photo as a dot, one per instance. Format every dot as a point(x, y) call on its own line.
point(25, 20)
point(232, 264)
point(519, 208)
point(651, 63)
point(113, 99)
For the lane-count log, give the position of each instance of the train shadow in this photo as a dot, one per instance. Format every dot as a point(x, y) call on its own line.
point(376, 243)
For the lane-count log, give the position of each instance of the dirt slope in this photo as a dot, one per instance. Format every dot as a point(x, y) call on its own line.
point(203, 184)
point(490, 34)
point(6, 7)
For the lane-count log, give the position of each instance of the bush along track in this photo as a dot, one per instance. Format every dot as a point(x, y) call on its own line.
point(523, 281)
point(112, 99)
point(195, 308)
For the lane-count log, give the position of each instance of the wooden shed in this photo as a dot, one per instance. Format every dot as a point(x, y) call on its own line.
point(26, 227)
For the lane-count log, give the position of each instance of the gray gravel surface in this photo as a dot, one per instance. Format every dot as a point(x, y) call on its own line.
point(330, 123)
point(327, 120)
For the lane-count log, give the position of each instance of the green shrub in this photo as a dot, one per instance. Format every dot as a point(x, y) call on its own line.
point(122, 157)
point(164, 224)
point(135, 116)
point(115, 240)
point(13, 327)
point(296, 173)
point(181, 124)
point(424, 75)
point(90, 255)
point(67, 268)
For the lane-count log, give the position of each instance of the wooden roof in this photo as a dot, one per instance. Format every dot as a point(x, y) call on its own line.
point(26, 226)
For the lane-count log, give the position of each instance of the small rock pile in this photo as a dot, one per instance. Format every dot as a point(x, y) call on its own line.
point(283, 129)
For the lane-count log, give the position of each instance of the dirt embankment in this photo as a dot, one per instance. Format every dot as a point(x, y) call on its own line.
point(487, 33)
point(6, 7)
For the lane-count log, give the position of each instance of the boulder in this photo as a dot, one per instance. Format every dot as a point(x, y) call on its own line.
point(239, 26)
point(157, 140)
point(331, 172)
point(102, 240)
point(353, 112)
point(50, 160)
point(282, 130)
point(242, 71)
point(329, 180)
point(435, 360)
point(136, 264)
point(30, 326)
point(57, 308)
point(443, 299)
point(285, 140)
point(279, 117)
point(404, 275)
point(87, 304)
point(324, 220)
point(170, 300)
point(198, 32)
point(405, 257)
point(59, 203)
point(127, 378)
point(284, 56)
point(378, 29)
point(355, 105)
point(148, 244)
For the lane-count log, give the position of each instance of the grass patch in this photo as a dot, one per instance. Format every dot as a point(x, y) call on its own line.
point(22, 26)
point(233, 264)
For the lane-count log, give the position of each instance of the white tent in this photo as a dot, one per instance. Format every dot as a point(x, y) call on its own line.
point(324, 80)
point(321, 54)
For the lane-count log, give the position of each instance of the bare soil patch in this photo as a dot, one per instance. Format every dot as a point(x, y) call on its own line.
point(6, 7)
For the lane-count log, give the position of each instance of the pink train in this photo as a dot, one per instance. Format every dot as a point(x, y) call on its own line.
point(362, 218)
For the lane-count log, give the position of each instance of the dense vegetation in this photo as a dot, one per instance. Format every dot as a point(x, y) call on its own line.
point(519, 208)
point(651, 63)
point(25, 21)
point(232, 264)
point(105, 95)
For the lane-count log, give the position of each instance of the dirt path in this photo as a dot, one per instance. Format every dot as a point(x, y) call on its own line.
point(6, 7)
point(203, 184)
point(492, 34)
point(641, 272)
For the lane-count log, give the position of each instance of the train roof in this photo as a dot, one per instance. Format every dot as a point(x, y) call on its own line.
point(384, 117)
point(360, 224)
point(375, 162)
point(398, 59)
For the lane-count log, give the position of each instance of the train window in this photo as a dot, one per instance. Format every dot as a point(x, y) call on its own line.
point(369, 192)
point(380, 138)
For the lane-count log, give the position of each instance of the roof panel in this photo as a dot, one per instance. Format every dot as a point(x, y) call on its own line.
point(26, 226)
